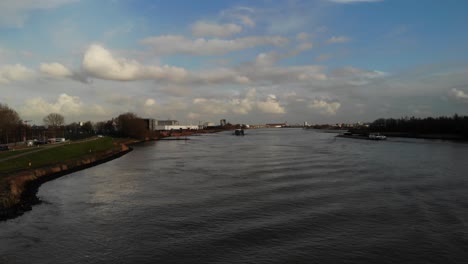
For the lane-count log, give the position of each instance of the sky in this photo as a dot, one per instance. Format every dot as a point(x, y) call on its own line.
point(253, 62)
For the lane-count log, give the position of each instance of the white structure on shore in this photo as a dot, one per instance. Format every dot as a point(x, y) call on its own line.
point(173, 125)
point(177, 127)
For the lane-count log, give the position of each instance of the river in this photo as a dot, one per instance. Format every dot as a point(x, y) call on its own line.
point(271, 196)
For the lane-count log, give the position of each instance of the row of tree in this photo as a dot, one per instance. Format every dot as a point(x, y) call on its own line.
point(456, 125)
point(14, 129)
point(126, 125)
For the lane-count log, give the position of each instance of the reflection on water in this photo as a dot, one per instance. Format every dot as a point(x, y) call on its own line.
point(272, 196)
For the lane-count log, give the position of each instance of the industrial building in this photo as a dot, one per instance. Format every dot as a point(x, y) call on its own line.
point(168, 125)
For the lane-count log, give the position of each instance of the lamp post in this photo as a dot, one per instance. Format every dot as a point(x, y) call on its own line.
point(25, 136)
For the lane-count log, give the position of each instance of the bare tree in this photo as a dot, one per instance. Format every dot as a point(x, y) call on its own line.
point(88, 127)
point(54, 120)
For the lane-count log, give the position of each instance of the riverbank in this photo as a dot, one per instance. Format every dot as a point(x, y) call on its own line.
point(450, 137)
point(18, 189)
point(185, 133)
point(364, 137)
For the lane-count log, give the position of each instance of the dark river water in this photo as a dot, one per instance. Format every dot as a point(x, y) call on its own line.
point(272, 196)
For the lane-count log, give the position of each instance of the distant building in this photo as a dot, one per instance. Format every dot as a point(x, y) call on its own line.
point(222, 122)
point(167, 125)
point(276, 125)
point(168, 122)
point(176, 127)
point(150, 124)
point(209, 124)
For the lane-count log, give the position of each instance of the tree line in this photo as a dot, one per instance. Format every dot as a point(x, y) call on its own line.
point(455, 125)
point(15, 129)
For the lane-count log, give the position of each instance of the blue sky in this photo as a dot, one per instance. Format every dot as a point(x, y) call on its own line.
point(246, 61)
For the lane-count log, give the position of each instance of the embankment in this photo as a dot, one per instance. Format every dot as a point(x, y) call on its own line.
point(19, 189)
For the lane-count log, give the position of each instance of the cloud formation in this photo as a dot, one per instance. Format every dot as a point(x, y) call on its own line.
point(271, 105)
point(176, 44)
point(100, 63)
point(459, 95)
point(17, 72)
point(204, 29)
point(255, 63)
point(338, 39)
point(55, 69)
point(67, 105)
point(325, 107)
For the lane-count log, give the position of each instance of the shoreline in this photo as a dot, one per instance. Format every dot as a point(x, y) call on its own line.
point(453, 138)
point(25, 184)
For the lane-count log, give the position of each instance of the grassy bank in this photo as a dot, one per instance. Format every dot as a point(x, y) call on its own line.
point(56, 154)
point(7, 154)
point(21, 176)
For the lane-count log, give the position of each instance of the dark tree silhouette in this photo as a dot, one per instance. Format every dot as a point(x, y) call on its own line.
point(10, 123)
point(456, 125)
point(54, 120)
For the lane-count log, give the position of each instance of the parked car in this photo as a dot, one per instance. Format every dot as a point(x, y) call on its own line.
point(4, 148)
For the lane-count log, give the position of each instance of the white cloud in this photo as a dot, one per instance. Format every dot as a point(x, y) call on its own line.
point(266, 59)
point(219, 75)
point(150, 102)
point(203, 29)
point(244, 105)
point(177, 91)
point(288, 74)
point(174, 44)
point(271, 105)
point(325, 107)
point(17, 72)
point(55, 69)
point(210, 106)
point(338, 39)
point(100, 63)
point(66, 105)
point(355, 76)
point(71, 107)
point(14, 13)
point(459, 95)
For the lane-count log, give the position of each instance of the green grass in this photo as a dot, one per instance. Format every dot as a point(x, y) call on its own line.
point(57, 154)
point(9, 153)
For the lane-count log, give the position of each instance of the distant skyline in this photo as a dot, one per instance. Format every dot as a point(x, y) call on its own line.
point(320, 61)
